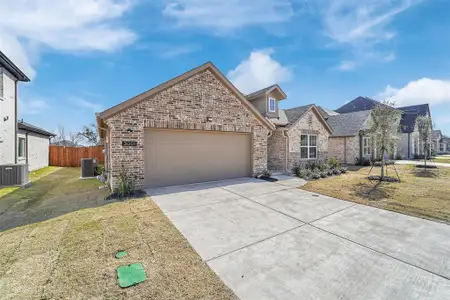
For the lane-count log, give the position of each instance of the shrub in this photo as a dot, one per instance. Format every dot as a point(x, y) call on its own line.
point(125, 187)
point(330, 172)
point(324, 174)
point(362, 162)
point(334, 163)
point(399, 156)
point(344, 170)
point(315, 175)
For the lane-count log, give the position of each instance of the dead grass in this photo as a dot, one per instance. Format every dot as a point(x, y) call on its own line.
point(420, 193)
point(72, 257)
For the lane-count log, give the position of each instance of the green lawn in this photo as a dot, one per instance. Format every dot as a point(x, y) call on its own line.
point(72, 256)
point(34, 175)
point(419, 194)
point(442, 159)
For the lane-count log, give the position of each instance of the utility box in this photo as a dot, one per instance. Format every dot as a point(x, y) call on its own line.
point(88, 166)
point(13, 174)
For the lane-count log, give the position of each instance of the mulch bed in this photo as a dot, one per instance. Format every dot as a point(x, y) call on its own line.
point(135, 195)
point(426, 167)
point(385, 178)
point(266, 178)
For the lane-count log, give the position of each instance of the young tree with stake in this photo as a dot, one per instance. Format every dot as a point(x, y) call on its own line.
point(383, 128)
point(424, 127)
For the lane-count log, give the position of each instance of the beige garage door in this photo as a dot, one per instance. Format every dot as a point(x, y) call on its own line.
point(175, 157)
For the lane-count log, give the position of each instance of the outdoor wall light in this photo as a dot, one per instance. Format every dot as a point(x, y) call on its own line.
point(209, 119)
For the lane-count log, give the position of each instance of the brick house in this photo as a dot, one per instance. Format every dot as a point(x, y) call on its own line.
point(200, 127)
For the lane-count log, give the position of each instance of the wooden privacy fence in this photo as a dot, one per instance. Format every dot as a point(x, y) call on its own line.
point(62, 156)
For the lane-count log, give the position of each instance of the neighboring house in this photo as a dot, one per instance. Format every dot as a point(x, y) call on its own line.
point(200, 127)
point(33, 146)
point(348, 142)
point(445, 144)
point(408, 143)
point(10, 75)
point(436, 139)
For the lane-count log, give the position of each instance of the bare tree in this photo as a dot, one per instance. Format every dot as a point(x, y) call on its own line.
point(60, 136)
point(383, 128)
point(424, 127)
point(74, 139)
point(90, 134)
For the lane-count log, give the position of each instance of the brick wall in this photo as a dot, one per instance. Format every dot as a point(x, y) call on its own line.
point(308, 124)
point(336, 147)
point(185, 105)
point(276, 151)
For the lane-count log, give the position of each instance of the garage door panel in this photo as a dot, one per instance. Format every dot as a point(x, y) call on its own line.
point(181, 157)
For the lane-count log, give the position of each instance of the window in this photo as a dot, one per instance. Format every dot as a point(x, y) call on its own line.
point(21, 146)
point(272, 105)
point(367, 150)
point(308, 146)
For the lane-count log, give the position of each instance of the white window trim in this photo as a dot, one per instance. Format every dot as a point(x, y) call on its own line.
point(367, 149)
point(23, 148)
point(274, 104)
point(308, 146)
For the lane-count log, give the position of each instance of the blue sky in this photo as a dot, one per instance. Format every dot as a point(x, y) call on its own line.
point(85, 56)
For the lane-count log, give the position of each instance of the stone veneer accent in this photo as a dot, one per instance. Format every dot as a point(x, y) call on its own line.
point(185, 105)
point(276, 151)
point(308, 124)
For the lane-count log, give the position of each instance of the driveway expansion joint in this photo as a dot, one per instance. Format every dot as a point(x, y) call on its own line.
point(380, 252)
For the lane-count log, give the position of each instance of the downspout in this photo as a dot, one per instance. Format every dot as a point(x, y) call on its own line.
point(26, 148)
point(360, 146)
point(15, 123)
point(286, 148)
point(409, 145)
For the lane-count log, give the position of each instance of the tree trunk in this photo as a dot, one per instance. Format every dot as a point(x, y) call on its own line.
point(382, 164)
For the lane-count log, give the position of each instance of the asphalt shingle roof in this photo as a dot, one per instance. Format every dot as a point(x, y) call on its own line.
point(32, 128)
point(260, 92)
point(325, 112)
point(348, 124)
point(410, 114)
point(293, 114)
point(358, 104)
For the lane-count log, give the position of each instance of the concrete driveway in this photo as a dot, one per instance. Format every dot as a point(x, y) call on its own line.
point(274, 241)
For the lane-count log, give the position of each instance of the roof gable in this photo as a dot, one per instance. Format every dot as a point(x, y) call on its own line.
point(265, 91)
point(294, 115)
point(348, 124)
point(207, 66)
point(358, 104)
point(410, 114)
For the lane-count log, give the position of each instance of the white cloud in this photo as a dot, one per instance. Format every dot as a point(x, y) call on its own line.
point(347, 65)
point(227, 15)
point(87, 104)
point(176, 51)
point(258, 71)
point(424, 90)
point(32, 107)
point(390, 57)
point(27, 26)
point(362, 25)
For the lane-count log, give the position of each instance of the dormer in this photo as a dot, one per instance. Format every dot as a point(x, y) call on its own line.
point(266, 101)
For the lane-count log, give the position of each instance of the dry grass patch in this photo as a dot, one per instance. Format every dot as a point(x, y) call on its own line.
point(420, 193)
point(72, 257)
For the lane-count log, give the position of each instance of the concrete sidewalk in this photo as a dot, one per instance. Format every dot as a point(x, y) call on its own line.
point(273, 241)
point(415, 162)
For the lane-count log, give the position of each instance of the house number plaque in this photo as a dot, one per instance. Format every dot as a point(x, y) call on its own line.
point(129, 143)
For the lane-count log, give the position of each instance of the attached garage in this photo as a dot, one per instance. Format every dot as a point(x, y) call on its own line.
point(196, 127)
point(174, 157)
